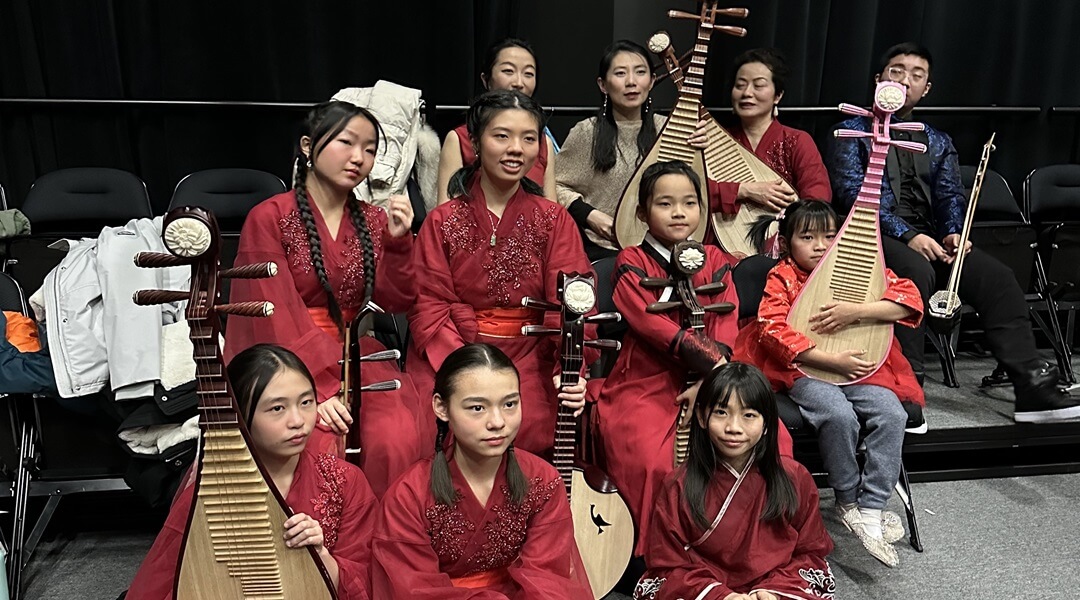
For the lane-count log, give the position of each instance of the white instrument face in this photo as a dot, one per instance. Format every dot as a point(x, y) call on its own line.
point(601, 521)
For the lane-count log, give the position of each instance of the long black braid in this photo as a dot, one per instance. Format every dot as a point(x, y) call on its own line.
point(323, 123)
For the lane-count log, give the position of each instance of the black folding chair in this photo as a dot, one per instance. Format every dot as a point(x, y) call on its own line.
point(71, 203)
point(749, 277)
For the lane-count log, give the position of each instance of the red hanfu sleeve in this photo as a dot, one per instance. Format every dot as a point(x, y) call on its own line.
point(903, 292)
point(723, 196)
point(291, 325)
point(544, 569)
point(353, 548)
point(811, 176)
point(807, 574)
point(433, 329)
point(683, 572)
point(395, 278)
point(775, 334)
point(404, 565)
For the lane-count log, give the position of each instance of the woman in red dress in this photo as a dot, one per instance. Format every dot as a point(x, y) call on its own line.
point(334, 253)
point(479, 520)
point(496, 242)
point(334, 508)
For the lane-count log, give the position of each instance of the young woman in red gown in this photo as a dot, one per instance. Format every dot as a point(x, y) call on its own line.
point(334, 252)
point(479, 520)
point(496, 242)
point(334, 508)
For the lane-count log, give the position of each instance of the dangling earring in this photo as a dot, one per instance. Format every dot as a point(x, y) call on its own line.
point(603, 112)
point(308, 164)
point(648, 105)
point(775, 110)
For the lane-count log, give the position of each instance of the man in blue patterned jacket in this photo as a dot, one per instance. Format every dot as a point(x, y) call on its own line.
point(922, 213)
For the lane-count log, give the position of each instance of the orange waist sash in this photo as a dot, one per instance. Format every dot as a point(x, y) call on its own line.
point(484, 579)
point(321, 316)
point(506, 322)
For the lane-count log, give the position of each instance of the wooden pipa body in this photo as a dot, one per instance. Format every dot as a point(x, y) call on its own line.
point(853, 268)
point(725, 160)
point(603, 526)
point(233, 546)
point(672, 142)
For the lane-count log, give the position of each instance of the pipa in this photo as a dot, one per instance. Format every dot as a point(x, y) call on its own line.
point(853, 268)
point(233, 546)
point(725, 160)
point(603, 527)
point(672, 141)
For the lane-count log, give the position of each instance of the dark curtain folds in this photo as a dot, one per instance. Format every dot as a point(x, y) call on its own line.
point(987, 52)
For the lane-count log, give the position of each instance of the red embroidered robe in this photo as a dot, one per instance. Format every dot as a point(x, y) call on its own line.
point(275, 232)
point(742, 553)
point(332, 491)
point(772, 344)
point(461, 275)
point(428, 551)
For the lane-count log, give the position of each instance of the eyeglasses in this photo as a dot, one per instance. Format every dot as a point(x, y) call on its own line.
point(899, 74)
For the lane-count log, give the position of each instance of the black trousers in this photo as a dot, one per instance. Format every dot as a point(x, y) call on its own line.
point(988, 286)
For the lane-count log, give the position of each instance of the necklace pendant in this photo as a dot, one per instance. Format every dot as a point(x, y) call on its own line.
point(493, 240)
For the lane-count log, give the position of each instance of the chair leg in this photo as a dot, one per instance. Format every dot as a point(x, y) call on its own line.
point(17, 559)
point(903, 490)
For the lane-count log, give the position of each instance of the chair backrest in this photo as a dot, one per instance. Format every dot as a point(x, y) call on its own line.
point(996, 200)
point(11, 295)
point(83, 200)
point(229, 193)
point(1052, 194)
point(749, 278)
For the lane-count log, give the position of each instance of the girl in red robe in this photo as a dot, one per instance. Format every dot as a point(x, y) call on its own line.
point(737, 521)
point(497, 241)
point(334, 253)
point(334, 508)
point(837, 413)
point(479, 520)
point(638, 405)
point(758, 85)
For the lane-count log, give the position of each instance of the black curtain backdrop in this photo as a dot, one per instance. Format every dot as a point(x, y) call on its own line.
point(987, 52)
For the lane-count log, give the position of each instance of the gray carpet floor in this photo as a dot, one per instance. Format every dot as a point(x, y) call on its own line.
point(995, 538)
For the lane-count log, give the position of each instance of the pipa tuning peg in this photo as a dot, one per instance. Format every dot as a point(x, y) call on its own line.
point(604, 344)
point(719, 307)
point(907, 126)
point(381, 356)
point(851, 109)
point(154, 260)
point(528, 302)
point(730, 30)
point(247, 309)
point(382, 386)
point(917, 147)
point(851, 133)
point(154, 297)
point(607, 317)
point(655, 283)
point(539, 330)
point(711, 288)
point(255, 271)
point(662, 307)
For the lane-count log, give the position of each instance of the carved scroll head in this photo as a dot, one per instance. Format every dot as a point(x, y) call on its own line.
point(889, 97)
point(579, 296)
point(187, 232)
point(688, 257)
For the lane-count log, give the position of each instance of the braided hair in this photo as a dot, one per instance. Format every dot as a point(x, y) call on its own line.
point(323, 124)
point(480, 114)
point(470, 356)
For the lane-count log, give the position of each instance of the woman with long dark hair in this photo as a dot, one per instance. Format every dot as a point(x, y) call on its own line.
point(738, 520)
point(479, 519)
point(334, 253)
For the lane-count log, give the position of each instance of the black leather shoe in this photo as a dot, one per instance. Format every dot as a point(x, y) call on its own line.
point(1040, 400)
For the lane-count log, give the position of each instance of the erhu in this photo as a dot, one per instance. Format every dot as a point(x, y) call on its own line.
point(853, 268)
point(603, 527)
point(672, 142)
point(351, 363)
point(233, 546)
point(687, 259)
point(943, 311)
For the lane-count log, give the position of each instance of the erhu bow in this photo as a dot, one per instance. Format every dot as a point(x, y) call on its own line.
point(603, 527)
point(725, 160)
point(672, 142)
point(943, 311)
point(687, 259)
point(853, 268)
point(233, 546)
